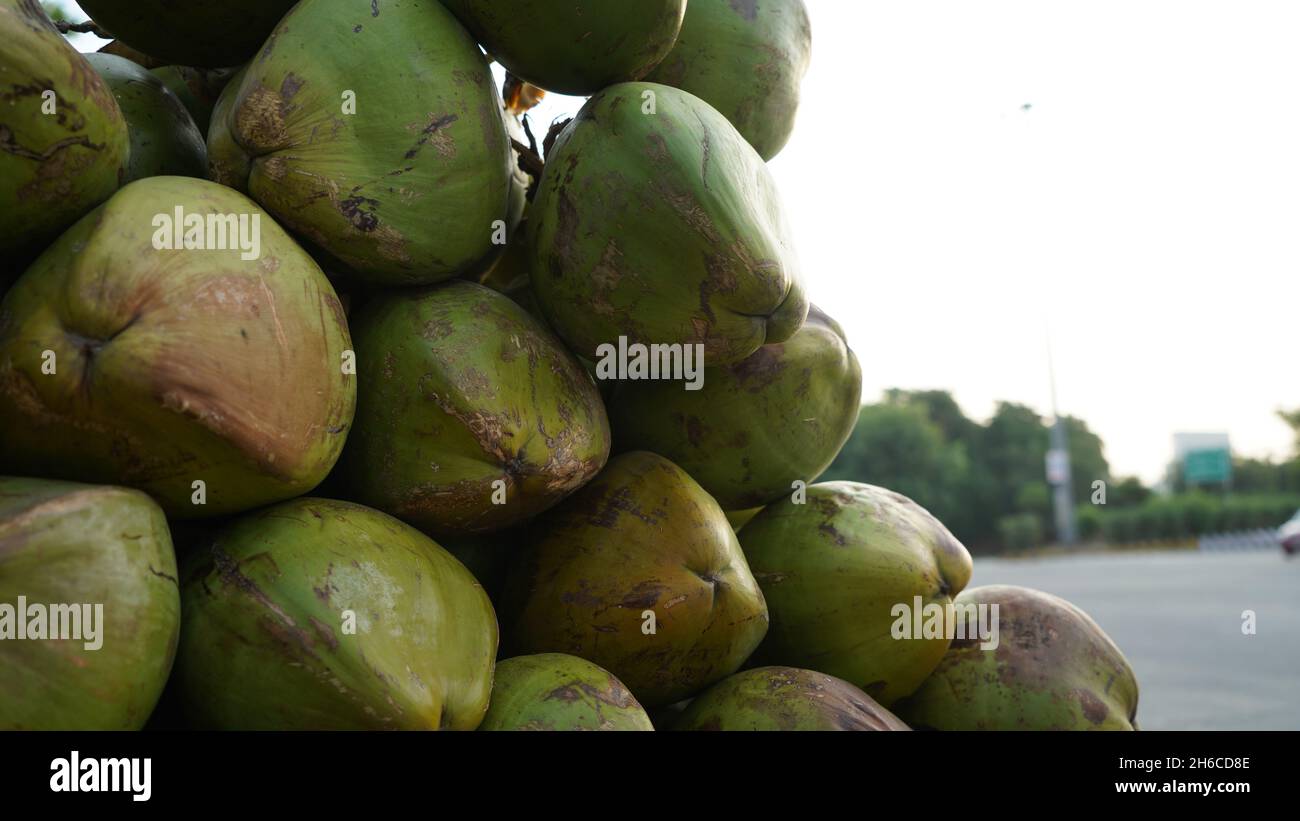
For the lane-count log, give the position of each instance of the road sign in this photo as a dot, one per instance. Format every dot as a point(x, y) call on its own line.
point(1058, 466)
point(1207, 467)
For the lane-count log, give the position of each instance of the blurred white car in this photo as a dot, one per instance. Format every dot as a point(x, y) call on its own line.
point(1289, 534)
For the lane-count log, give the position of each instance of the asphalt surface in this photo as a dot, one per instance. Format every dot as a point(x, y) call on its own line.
point(1178, 618)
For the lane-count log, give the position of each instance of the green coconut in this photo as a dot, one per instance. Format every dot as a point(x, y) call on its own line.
point(740, 518)
point(785, 698)
point(471, 414)
point(124, 363)
point(747, 59)
point(574, 47)
point(640, 573)
point(1052, 668)
point(99, 559)
point(509, 276)
point(63, 141)
point(379, 137)
point(164, 138)
point(710, 261)
point(552, 691)
point(835, 566)
point(754, 428)
point(134, 55)
point(196, 88)
point(228, 163)
point(209, 33)
point(324, 615)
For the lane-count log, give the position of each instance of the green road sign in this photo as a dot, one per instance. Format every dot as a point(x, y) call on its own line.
point(1206, 467)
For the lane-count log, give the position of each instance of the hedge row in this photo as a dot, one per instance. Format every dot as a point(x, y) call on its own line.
point(1185, 515)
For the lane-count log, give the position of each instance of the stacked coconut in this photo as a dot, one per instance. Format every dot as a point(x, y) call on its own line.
point(346, 416)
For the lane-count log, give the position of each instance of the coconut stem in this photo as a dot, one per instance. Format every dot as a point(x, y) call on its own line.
point(87, 27)
point(529, 162)
point(528, 129)
point(553, 132)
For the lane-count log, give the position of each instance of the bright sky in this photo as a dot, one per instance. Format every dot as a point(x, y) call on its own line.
point(1145, 207)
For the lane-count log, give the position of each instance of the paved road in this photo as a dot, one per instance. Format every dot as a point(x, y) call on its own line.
point(1178, 617)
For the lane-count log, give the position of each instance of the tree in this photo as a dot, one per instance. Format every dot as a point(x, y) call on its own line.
point(898, 447)
point(942, 410)
point(1256, 476)
point(982, 480)
point(1013, 449)
point(1034, 498)
point(1087, 459)
point(55, 10)
point(1127, 492)
point(1292, 418)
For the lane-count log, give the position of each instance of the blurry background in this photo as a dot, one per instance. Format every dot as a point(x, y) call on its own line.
point(985, 193)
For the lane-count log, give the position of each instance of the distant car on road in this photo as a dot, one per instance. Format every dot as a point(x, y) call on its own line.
point(1289, 535)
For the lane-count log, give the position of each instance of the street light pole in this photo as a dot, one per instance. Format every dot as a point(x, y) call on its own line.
point(1058, 465)
point(1058, 454)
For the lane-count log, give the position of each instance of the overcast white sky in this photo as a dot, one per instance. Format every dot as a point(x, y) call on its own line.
point(1145, 207)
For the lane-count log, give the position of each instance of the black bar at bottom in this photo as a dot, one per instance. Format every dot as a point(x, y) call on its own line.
point(603, 771)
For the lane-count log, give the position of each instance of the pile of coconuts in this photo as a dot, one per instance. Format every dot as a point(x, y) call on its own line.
point(301, 384)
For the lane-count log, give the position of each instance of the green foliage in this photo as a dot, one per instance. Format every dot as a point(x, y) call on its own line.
point(1292, 418)
point(1188, 515)
point(986, 481)
point(970, 475)
point(1265, 476)
point(896, 445)
point(1087, 459)
point(1201, 513)
point(1127, 492)
point(1089, 519)
point(1034, 498)
point(1013, 448)
point(941, 409)
point(1020, 531)
point(55, 10)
